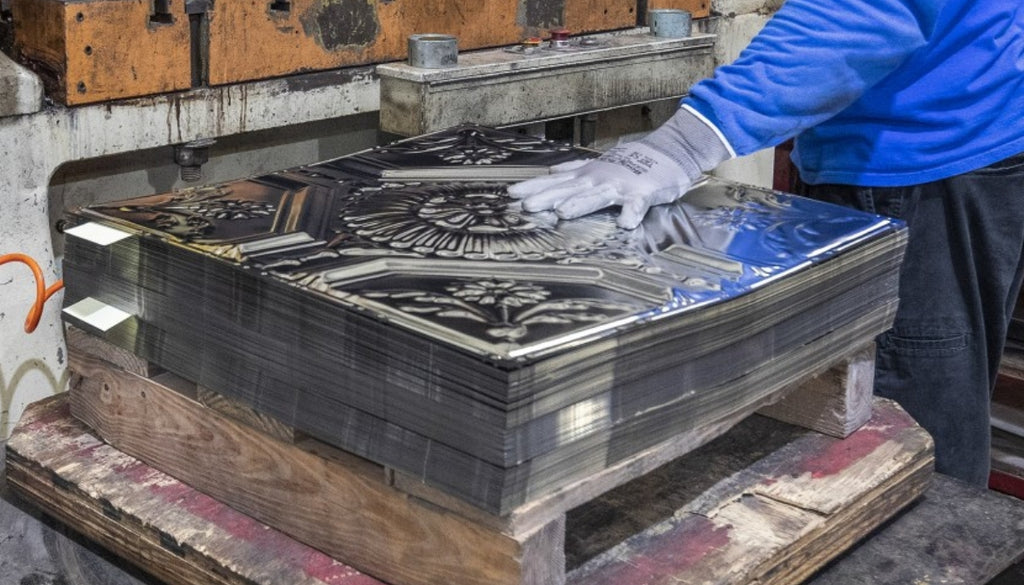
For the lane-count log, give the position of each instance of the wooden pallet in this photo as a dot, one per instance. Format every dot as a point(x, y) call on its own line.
point(819, 494)
point(773, 521)
point(165, 527)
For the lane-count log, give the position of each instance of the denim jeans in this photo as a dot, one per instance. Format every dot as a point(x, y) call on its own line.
point(958, 286)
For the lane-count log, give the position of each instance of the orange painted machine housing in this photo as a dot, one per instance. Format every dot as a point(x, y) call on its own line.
point(91, 51)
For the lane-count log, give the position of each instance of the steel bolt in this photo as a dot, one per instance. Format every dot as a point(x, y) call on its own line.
point(191, 157)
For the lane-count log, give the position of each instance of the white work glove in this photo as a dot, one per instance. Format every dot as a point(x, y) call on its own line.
point(655, 170)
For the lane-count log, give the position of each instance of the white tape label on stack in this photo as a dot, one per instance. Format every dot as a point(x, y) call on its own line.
point(97, 314)
point(97, 233)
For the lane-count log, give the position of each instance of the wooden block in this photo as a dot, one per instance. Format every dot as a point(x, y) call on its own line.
point(773, 522)
point(85, 343)
point(343, 508)
point(835, 402)
point(784, 517)
point(95, 50)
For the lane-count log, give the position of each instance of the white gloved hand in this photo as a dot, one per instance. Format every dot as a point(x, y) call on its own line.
point(635, 176)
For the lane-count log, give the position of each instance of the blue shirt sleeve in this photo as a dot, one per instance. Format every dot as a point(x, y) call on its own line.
point(812, 59)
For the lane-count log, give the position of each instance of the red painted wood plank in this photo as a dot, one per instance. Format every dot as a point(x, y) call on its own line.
point(49, 436)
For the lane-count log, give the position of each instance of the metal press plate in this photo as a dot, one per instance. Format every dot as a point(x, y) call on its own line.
point(458, 261)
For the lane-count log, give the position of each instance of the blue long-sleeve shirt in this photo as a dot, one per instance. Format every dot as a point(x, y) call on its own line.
point(877, 92)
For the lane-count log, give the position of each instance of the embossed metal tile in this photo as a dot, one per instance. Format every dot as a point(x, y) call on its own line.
point(462, 263)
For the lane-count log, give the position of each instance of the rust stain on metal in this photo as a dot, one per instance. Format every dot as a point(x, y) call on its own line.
point(337, 77)
point(339, 25)
point(541, 14)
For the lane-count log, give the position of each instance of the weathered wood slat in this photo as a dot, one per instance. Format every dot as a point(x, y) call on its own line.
point(148, 518)
point(835, 402)
point(245, 414)
point(784, 517)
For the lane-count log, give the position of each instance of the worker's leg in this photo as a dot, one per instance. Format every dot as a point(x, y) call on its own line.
point(958, 284)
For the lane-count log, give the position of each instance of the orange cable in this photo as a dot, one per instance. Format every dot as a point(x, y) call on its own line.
point(43, 293)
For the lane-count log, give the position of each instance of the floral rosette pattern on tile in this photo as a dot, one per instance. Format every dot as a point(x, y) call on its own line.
point(473, 221)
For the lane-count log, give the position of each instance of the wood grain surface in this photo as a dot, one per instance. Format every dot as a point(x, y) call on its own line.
point(245, 414)
point(97, 347)
point(165, 527)
point(835, 402)
point(248, 41)
point(342, 508)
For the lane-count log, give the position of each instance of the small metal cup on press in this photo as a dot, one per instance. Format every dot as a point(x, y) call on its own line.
point(433, 51)
point(670, 22)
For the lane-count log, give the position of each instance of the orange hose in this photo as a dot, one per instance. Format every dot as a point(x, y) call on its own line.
point(43, 293)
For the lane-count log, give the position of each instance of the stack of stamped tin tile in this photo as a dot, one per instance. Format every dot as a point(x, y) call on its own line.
point(399, 304)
